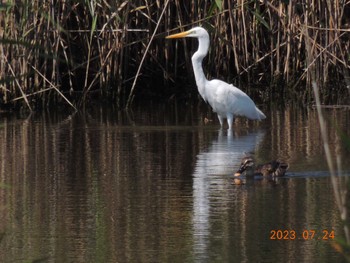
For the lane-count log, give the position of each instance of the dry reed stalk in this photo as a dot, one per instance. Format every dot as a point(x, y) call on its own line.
point(65, 49)
point(32, 94)
point(244, 26)
point(339, 182)
point(89, 44)
point(234, 39)
point(278, 49)
point(97, 75)
point(288, 51)
point(55, 88)
point(18, 85)
point(131, 94)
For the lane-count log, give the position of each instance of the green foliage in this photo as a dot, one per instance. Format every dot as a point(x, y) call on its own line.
point(345, 140)
point(5, 6)
point(260, 18)
point(215, 6)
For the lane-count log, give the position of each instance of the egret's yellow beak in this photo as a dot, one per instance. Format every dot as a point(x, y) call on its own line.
point(179, 35)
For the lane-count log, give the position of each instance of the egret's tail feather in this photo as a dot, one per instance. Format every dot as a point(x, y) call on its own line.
point(260, 115)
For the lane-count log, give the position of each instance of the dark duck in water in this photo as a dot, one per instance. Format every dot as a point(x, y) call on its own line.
point(274, 168)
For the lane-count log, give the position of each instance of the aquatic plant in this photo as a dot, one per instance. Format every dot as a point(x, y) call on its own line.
point(340, 183)
point(69, 52)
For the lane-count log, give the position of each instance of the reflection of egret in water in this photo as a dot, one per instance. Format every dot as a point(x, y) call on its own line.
point(210, 178)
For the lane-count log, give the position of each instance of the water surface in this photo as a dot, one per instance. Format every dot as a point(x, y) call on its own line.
point(156, 185)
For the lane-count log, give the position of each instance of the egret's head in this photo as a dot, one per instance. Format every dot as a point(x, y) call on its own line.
point(194, 32)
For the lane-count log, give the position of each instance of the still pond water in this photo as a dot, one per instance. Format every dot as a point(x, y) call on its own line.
point(156, 185)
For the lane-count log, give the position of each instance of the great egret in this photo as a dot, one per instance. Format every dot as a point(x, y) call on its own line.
point(225, 99)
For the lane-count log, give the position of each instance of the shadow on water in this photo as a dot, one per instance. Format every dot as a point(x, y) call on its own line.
point(106, 186)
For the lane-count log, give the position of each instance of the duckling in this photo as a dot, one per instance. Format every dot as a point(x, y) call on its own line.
point(247, 166)
point(274, 168)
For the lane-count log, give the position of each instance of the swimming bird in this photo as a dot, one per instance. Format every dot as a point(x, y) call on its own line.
point(225, 99)
point(274, 168)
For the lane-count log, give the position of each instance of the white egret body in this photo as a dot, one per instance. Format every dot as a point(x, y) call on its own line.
point(225, 99)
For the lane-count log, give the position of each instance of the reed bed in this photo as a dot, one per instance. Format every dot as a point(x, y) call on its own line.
point(72, 51)
point(340, 182)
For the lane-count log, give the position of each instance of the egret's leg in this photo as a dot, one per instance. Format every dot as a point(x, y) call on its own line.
point(221, 120)
point(229, 121)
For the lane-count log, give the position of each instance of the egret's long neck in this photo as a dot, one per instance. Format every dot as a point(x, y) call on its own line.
point(197, 58)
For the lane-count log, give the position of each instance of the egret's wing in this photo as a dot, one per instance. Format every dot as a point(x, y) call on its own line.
point(227, 98)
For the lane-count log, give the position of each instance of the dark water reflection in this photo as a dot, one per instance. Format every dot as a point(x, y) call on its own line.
point(157, 186)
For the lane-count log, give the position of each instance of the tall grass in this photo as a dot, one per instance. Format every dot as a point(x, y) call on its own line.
point(71, 51)
point(340, 182)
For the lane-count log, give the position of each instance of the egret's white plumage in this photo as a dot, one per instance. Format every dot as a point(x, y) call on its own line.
point(225, 99)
